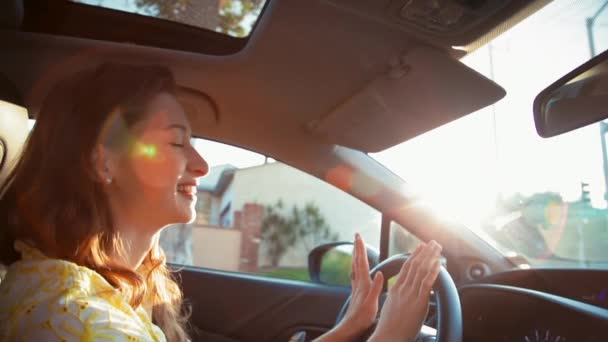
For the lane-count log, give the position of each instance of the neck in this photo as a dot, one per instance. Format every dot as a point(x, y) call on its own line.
point(137, 245)
point(137, 239)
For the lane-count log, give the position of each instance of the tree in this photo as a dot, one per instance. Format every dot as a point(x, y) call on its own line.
point(278, 232)
point(282, 231)
point(233, 17)
point(166, 9)
point(537, 209)
point(509, 204)
point(525, 233)
point(312, 228)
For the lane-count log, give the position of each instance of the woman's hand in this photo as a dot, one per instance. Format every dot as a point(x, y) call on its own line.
point(407, 302)
point(363, 307)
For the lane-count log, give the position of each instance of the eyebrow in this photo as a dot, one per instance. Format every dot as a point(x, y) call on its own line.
point(178, 126)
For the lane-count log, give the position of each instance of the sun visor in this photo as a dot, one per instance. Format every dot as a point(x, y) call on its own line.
point(423, 90)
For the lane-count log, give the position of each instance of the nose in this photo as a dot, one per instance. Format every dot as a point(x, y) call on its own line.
point(197, 164)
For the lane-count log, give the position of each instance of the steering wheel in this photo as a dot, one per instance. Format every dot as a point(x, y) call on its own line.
point(449, 313)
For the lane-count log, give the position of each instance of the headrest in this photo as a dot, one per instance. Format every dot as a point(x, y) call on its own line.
point(13, 126)
point(11, 14)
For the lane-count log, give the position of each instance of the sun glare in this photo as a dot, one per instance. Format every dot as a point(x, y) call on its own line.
point(456, 206)
point(149, 151)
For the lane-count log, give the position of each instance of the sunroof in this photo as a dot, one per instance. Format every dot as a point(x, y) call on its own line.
point(232, 17)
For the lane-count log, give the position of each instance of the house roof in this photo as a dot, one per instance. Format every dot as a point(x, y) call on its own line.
point(218, 178)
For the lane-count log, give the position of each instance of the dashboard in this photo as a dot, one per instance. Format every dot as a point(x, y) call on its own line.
point(537, 306)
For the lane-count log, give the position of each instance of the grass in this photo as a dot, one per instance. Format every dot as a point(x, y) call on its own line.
point(288, 273)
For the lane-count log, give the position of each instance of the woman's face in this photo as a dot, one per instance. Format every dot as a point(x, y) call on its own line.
point(154, 180)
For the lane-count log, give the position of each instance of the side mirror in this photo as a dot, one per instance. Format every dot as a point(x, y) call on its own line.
point(578, 99)
point(330, 263)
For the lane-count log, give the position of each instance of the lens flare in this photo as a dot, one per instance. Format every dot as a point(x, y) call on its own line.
point(149, 151)
point(341, 177)
point(553, 213)
point(556, 214)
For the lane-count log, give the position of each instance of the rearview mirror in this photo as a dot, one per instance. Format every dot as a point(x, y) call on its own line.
point(330, 263)
point(578, 99)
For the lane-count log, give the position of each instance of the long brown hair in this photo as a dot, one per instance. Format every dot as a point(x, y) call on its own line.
point(54, 199)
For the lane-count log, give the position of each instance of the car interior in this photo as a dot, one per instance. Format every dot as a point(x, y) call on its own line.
point(320, 85)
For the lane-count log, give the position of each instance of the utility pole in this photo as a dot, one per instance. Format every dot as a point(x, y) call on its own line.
point(603, 130)
point(590, 23)
point(603, 126)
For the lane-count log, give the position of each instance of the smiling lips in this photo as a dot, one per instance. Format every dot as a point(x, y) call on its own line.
point(188, 190)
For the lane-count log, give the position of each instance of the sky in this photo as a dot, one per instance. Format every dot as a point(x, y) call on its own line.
point(461, 167)
point(219, 154)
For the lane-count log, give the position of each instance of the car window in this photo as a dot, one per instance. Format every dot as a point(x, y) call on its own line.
point(401, 240)
point(232, 17)
point(545, 200)
point(258, 215)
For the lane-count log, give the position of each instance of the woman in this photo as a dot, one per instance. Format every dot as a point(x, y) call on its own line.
point(109, 164)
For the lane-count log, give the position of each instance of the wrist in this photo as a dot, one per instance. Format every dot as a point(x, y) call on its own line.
point(334, 335)
point(344, 332)
point(378, 337)
point(381, 336)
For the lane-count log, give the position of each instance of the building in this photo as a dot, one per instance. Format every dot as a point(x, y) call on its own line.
point(231, 202)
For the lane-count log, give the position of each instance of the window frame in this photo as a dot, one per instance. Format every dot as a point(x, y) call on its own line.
point(66, 18)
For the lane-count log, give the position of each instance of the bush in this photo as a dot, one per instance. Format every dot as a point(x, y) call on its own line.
point(336, 268)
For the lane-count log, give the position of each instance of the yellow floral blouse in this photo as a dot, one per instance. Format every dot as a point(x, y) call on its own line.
point(44, 299)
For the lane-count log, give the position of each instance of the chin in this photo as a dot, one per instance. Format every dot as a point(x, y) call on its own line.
point(185, 216)
point(182, 213)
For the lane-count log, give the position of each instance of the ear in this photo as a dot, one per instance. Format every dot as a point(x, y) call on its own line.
point(103, 164)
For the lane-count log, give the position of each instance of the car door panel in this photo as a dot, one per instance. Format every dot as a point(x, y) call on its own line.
point(230, 306)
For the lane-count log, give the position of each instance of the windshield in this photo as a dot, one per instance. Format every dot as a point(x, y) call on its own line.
point(544, 199)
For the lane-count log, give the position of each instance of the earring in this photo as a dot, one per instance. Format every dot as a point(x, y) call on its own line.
point(108, 180)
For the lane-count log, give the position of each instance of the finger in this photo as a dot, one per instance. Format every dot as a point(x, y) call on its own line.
point(353, 266)
point(406, 266)
point(420, 263)
point(429, 280)
point(377, 284)
point(417, 263)
point(426, 266)
point(362, 252)
point(362, 265)
point(436, 245)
